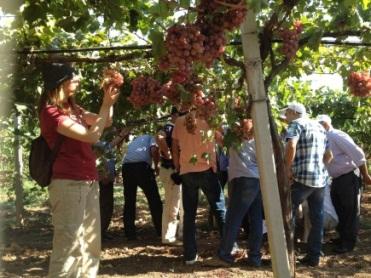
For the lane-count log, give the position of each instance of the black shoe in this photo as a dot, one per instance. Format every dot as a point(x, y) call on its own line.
point(309, 261)
point(263, 262)
point(335, 241)
point(131, 237)
point(106, 237)
point(341, 249)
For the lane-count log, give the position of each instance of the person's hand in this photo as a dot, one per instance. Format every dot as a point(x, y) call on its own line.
point(290, 176)
point(157, 171)
point(124, 132)
point(176, 166)
point(111, 95)
point(367, 179)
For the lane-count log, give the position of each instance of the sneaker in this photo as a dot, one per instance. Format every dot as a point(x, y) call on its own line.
point(217, 261)
point(191, 262)
point(260, 263)
point(172, 242)
point(307, 261)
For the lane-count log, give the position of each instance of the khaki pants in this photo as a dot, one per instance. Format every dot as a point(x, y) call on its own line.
point(76, 222)
point(172, 207)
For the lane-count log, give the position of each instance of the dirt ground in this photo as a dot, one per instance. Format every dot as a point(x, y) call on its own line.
point(25, 252)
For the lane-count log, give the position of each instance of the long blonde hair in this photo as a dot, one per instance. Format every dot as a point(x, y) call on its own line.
point(53, 98)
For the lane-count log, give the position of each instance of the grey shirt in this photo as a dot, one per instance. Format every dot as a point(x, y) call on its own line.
point(242, 162)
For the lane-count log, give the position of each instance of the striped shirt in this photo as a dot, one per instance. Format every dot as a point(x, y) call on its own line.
point(308, 167)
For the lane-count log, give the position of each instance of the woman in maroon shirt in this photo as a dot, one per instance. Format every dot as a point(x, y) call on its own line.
point(74, 189)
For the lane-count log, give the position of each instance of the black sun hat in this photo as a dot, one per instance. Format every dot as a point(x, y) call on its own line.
point(54, 74)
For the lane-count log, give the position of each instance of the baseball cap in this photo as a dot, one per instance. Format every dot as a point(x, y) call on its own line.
point(296, 107)
point(324, 118)
point(54, 74)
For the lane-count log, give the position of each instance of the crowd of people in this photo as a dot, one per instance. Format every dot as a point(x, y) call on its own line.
point(318, 159)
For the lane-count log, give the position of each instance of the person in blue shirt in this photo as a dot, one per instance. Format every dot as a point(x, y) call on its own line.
point(137, 171)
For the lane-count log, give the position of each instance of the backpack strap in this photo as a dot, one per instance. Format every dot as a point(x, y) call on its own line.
point(57, 146)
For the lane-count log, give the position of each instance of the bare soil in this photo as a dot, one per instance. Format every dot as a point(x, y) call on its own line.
point(25, 251)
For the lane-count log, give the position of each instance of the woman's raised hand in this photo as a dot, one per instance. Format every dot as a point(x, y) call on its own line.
point(111, 94)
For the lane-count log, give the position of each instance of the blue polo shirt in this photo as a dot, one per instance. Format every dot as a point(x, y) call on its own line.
point(139, 150)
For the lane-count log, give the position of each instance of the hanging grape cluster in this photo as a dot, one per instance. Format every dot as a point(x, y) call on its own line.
point(214, 43)
point(206, 108)
point(145, 90)
point(226, 14)
point(290, 38)
point(184, 44)
point(112, 77)
point(202, 41)
point(360, 84)
point(171, 92)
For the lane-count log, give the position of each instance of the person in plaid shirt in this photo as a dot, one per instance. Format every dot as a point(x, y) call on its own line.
point(307, 151)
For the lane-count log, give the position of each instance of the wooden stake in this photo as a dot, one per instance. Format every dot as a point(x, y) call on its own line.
point(264, 149)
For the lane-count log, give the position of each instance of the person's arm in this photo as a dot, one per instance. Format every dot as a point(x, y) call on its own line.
point(175, 152)
point(327, 156)
point(219, 137)
point(155, 154)
point(90, 118)
point(122, 135)
point(365, 175)
point(72, 129)
point(290, 152)
point(163, 147)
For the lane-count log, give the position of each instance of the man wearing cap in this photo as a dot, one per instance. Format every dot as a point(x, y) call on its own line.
point(345, 191)
point(305, 155)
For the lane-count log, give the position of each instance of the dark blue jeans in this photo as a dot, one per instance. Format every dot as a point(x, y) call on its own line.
point(314, 197)
point(208, 182)
point(345, 192)
point(245, 198)
point(134, 175)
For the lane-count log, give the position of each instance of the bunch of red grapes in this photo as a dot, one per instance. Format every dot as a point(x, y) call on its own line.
point(184, 44)
point(204, 41)
point(290, 38)
point(360, 84)
point(228, 14)
point(214, 43)
point(171, 92)
point(145, 91)
point(206, 108)
point(112, 77)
